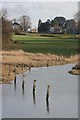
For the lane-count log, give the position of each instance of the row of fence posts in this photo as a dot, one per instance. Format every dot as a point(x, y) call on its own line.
point(61, 57)
point(34, 87)
point(34, 83)
point(34, 91)
point(30, 65)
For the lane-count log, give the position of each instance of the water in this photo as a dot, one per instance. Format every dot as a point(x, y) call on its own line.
point(63, 101)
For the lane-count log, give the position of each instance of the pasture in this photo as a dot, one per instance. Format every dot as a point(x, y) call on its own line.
point(48, 43)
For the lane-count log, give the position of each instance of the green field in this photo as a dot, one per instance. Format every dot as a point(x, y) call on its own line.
point(56, 44)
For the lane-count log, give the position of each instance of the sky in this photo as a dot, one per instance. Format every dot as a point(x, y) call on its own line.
point(40, 10)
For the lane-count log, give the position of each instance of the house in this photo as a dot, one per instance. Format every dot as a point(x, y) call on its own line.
point(56, 29)
point(33, 31)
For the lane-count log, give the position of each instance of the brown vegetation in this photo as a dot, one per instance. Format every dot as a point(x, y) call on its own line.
point(6, 32)
point(74, 72)
point(24, 61)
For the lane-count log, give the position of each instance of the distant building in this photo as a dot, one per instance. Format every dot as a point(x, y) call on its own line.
point(33, 31)
point(48, 28)
point(56, 29)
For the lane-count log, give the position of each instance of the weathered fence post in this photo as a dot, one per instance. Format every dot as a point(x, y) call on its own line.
point(15, 74)
point(23, 82)
point(48, 63)
point(48, 91)
point(30, 67)
point(34, 87)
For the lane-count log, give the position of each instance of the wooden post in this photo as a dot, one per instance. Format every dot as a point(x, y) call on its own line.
point(15, 74)
point(48, 91)
point(34, 86)
point(30, 67)
point(15, 80)
point(47, 63)
point(23, 82)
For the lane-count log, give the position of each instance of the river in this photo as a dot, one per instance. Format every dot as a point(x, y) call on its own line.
point(63, 98)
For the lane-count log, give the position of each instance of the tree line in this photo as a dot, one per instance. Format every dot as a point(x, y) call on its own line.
point(22, 24)
point(71, 26)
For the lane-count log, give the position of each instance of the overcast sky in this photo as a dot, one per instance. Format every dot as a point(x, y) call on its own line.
point(40, 10)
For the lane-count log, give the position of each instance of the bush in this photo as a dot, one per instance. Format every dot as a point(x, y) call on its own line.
point(6, 32)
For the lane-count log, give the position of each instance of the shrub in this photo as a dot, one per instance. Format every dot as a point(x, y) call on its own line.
point(6, 32)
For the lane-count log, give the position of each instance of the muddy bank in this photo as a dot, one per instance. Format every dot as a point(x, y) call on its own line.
point(24, 61)
point(75, 70)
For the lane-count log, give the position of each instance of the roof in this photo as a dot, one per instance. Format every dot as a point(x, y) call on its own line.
point(15, 23)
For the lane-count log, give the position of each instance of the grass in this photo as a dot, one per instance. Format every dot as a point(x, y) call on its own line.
point(42, 37)
point(52, 43)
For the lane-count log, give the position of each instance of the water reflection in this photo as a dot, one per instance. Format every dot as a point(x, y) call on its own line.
point(47, 106)
point(47, 98)
point(23, 81)
point(15, 80)
point(34, 86)
point(15, 85)
point(34, 100)
point(23, 91)
point(23, 87)
point(22, 84)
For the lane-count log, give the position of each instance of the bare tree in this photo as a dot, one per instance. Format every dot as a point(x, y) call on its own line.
point(77, 18)
point(25, 22)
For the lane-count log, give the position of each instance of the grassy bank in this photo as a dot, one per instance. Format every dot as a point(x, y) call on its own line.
point(25, 61)
point(46, 43)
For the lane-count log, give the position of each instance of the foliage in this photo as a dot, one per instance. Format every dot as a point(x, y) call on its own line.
point(71, 26)
point(58, 25)
point(6, 28)
point(61, 21)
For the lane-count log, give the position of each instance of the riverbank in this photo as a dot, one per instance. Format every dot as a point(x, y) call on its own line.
point(75, 70)
point(24, 61)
